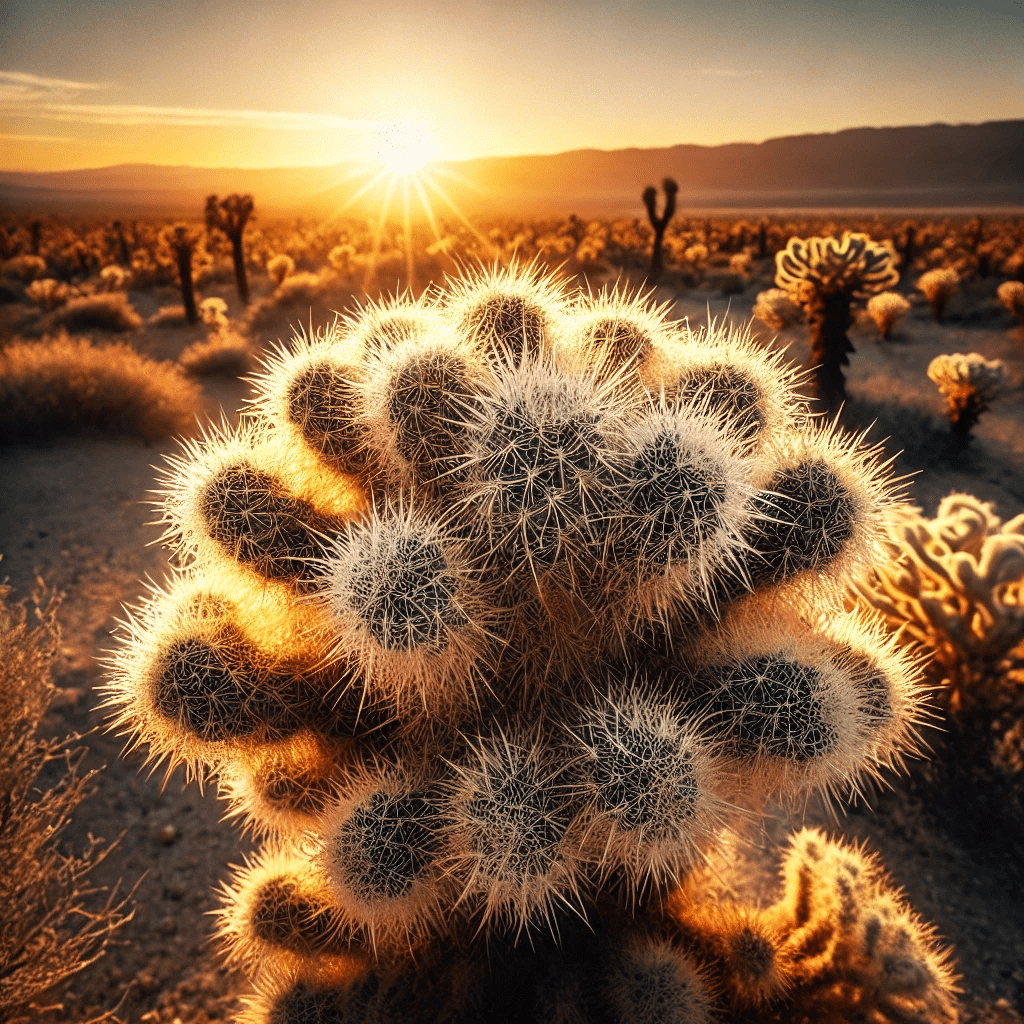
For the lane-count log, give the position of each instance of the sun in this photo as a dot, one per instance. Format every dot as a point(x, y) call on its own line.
point(404, 147)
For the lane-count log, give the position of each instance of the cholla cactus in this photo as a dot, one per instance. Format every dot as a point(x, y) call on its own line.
point(885, 309)
point(939, 286)
point(824, 276)
point(841, 944)
point(970, 383)
point(776, 310)
point(279, 267)
point(230, 216)
point(1011, 295)
point(494, 613)
point(955, 586)
point(659, 221)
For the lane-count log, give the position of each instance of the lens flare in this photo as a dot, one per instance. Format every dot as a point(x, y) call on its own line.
point(405, 146)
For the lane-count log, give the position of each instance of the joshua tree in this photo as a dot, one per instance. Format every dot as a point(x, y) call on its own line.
point(650, 197)
point(907, 252)
point(182, 239)
point(824, 276)
point(124, 254)
point(494, 612)
point(230, 215)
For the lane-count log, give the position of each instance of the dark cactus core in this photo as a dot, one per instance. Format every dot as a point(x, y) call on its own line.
point(808, 517)
point(430, 402)
point(324, 405)
point(769, 706)
point(729, 393)
point(508, 325)
point(250, 513)
point(406, 597)
point(387, 844)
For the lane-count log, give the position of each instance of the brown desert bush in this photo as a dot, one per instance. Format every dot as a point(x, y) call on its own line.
point(64, 383)
point(54, 922)
point(107, 311)
point(169, 316)
point(224, 352)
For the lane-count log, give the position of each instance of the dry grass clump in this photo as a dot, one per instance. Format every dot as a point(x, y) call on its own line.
point(1011, 295)
point(885, 310)
point(51, 926)
point(169, 316)
point(224, 352)
point(108, 311)
point(64, 383)
point(939, 286)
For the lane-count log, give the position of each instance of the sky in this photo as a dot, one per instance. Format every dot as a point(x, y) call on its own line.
point(267, 83)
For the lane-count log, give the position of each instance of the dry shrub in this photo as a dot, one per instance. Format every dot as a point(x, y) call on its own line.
point(64, 383)
point(169, 316)
point(108, 311)
point(52, 925)
point(224, 352)
point(48, 293)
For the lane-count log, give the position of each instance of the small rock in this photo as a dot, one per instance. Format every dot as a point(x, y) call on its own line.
point(167, 835)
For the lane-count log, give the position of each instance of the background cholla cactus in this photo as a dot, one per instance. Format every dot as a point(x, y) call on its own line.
point(182, 240)
point(775, 309)
point(885, 309)
point(840, 944)
point(1011, 295)
point(970, 383)
point(495, 612)
point(824, 276)
point(939, 286)
point(955, 586)
point(224, 350)
point(279, 267)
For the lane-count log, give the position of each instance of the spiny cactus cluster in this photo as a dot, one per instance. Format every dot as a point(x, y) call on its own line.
point(824, 276)
point(495, 611)
point(840, 944)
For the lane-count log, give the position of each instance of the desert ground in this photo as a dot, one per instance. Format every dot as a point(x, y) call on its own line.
point(74, 513)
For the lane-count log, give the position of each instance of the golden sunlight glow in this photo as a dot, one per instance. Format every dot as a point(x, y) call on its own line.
point(405, 146)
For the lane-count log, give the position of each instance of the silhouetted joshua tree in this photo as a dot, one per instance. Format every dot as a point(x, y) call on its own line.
point(230, 215)
point(670, 188)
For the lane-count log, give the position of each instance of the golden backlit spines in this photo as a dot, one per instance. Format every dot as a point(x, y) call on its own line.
point(754, 392)
point(382, 849)
point(616, 333)
point(408, 605)
point(513, 848)
point(250, 499)
point(649, 785)
point(683, 501)
point(311, 390)
point(515, 314)
point(822, 509)
point(805, 710)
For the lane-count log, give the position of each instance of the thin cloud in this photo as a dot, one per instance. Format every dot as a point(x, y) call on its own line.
point(22, 86)
point(15, 137)
point(26, 95)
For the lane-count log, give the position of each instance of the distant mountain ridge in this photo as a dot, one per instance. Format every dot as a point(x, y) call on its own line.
point(936, 165)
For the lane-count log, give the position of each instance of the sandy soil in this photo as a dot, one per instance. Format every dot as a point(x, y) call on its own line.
point(72, 514)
